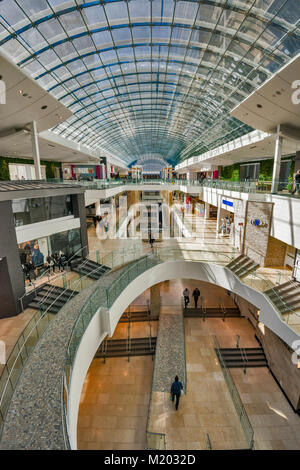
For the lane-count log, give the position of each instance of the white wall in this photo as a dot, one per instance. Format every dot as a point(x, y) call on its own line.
point(102, 322)
point(286, 219)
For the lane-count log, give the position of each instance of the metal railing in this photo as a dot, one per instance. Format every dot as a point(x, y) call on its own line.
point(203, 307)
point(239, 407)
point(128, 341)
point(244, 358)
point(222, 308)
point(260, 282)
point(156, 441)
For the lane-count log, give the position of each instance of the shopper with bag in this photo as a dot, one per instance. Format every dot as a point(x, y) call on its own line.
point(176, 391)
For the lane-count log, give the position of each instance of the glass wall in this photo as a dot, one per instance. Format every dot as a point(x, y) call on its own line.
point(249, 172)
point(30, 211)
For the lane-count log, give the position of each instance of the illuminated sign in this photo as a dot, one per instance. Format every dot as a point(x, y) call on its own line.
point(2, 91)
point(258, 223)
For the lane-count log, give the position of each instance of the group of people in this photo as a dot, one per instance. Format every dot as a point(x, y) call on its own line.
point(186, 296)
point(297, 183)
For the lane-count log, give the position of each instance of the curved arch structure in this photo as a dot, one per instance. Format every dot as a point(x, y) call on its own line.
point(207, 272)
point(157, 76)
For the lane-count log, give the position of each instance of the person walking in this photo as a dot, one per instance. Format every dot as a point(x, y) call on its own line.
point(196, 295)
point(186, 296)
point(176, 388)
point(297, 183)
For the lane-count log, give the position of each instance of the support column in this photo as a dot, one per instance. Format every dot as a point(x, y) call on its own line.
point(206, 213)
point(35, 150)
point(297, 162)
point(277, 161)
point(155, 299)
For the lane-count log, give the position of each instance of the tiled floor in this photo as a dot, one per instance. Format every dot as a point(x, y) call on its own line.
point(141, 368)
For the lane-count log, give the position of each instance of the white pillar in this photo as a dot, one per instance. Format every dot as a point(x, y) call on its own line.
point(35, 150)
point(277, 161)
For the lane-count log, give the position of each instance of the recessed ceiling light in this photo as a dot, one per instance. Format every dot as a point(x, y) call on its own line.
point(259, 105)
point(21, 92)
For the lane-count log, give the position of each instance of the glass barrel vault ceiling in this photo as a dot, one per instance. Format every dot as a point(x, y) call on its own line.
point(149, 77)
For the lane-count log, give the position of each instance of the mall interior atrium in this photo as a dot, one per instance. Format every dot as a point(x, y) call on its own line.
point(150, 225)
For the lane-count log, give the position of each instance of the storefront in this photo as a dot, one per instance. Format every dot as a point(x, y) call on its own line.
point(21, 171)
point(84, 172)
point(33, 210)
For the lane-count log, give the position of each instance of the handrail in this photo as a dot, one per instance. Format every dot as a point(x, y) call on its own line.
point(160, 436)
point(208, 442)
point(104, 297)
point(238, 404)
point(128, 338)
point(203, 307)
point(254, 186)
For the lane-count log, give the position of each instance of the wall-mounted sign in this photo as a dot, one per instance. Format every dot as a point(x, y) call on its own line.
point(227, 203)
point(258, 223)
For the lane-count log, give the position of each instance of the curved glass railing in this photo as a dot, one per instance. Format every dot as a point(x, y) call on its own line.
point(262, 283)
point(236, 399)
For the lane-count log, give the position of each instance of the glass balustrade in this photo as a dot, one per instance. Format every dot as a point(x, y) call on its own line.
point(103, 297)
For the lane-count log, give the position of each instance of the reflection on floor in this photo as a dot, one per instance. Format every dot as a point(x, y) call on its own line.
point(114, 404)
point(276, 426)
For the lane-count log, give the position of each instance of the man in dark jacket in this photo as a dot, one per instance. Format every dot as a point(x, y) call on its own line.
point(176, 391)
point(196, 295)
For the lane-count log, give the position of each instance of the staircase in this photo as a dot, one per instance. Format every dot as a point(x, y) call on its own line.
point(212, 312)
point(138, 316)
point(244, 357)
point(285, 297)
point(123, 347)
point(87, 267)
point(241, 266)
point(55, 296)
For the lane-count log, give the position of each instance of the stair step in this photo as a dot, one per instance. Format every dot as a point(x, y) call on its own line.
point(282, 287)
point(52, 309)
